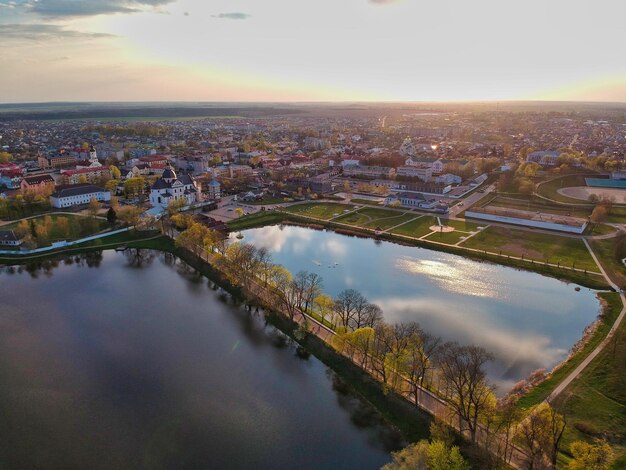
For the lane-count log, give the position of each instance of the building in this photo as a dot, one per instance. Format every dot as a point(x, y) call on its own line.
point(448, 179)
point(422, 171)
point(417, 200)
point(413, 186)
point(56, 161)
point(543, 158)
point(436, 165)
point(10, 176)
point(170, 187)
point(77, 194)
point(37, 183)
point(407, 149)
point(213, 189)
point(230, 171)
point(618, 175)
point(87, 174)
point(10, 238)
point(369, 171)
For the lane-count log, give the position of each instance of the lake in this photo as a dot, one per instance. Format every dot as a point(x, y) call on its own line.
point(133, 360)
point(528, 321)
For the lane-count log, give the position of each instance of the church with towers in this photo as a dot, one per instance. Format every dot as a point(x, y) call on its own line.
point(170, 187)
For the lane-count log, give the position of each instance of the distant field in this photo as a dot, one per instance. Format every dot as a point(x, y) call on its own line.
point(538, 246)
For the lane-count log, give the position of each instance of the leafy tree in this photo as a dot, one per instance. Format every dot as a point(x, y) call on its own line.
point(423, 455)
point(116, 174)
point(5, 157)
point(111, 215)
point(598, 456)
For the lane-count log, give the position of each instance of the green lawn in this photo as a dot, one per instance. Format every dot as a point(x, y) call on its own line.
point(371, 217)
point(417, 228)
point(550, 188)
point(463, 225)
point(365, 201)
point(320, 210)
point(539, 246)
point(594, 405)
point(448, 237)
point(604, 250)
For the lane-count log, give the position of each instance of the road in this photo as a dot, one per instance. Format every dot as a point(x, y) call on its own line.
point(469, 201)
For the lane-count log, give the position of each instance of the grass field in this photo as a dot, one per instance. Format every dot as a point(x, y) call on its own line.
point(536, 204)
point(448, 237)
point(371, 217)
point(463, 225)
point(417, 228)
point(594, 405)
point(604, 250)
point(365, 201)
point(320, 210)
point(553, 248)
point(550, 189)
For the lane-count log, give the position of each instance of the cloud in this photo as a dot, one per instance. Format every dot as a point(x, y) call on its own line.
point(236, 15)
point(44, 32)
point(383, 2)
point(78, 8)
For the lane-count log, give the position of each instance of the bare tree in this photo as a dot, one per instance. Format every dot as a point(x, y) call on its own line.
point(461, 368)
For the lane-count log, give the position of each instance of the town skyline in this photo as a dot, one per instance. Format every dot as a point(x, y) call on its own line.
point(357, 51)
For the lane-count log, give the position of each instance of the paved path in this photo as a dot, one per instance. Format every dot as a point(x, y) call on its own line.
point(570, 378)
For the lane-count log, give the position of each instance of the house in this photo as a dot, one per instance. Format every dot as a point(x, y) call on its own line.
point(170, 187)
point(417, 200)
point(56, 161)
point(77, 194)
point(230, 171)
point(448, 179)
point(421, 171)
point(10, 175)
point(368, 171)
point(37, 183)
point(213, 189)
point(435, 165)
point(87, 174)
point(543, 158)
point(10, 238)
point(407, 149)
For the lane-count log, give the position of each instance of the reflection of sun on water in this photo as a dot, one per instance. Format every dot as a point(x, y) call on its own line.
point(460, 276)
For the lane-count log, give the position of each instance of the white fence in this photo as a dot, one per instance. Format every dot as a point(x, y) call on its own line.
point(579, 229)
point(63, 243)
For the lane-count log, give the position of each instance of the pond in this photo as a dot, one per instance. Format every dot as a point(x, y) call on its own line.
point(133, 360)
point(528, 321)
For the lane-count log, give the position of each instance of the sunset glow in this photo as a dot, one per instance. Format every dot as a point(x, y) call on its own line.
point(274, 50)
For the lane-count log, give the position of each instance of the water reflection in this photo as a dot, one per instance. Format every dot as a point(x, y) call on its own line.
point(527, 320)
point(145, 367)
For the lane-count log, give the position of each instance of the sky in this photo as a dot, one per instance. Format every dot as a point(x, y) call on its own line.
point(312, 50)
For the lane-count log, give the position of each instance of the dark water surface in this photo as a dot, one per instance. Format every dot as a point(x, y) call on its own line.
point(118, 361)
point(528, 321)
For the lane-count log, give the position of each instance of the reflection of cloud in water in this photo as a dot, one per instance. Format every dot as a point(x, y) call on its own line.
point(274, 238)
point(334, 247)
point(459, 275)
point(517, 353)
